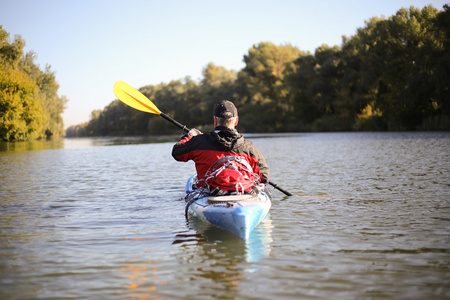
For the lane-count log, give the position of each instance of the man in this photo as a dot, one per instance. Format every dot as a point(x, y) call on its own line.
point(207, 149)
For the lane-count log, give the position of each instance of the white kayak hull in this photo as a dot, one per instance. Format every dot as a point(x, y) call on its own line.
point(239, 214)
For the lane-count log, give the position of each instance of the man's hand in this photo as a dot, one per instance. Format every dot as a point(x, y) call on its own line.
point(194, 132)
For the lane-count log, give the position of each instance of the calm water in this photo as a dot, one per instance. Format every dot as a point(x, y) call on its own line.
point(104, 219)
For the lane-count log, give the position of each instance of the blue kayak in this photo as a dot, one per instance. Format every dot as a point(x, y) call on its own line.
point(239, 214)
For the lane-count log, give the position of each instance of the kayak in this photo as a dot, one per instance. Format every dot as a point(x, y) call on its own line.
point(239, 214)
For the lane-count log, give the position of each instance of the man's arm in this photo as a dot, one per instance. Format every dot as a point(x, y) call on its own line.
point(263, 168)
point(262, 164)
point(180, 150)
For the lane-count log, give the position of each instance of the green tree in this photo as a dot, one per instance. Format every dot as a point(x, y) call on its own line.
point(217, 84)
point(266, 102)
point(431, 81)
point(21, 114)
point(52, 104)
point(30, 106)
point(300, 81)
point(395, 60)
point(332, 108)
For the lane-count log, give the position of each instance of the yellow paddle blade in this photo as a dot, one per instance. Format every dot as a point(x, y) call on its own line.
point(132, 97)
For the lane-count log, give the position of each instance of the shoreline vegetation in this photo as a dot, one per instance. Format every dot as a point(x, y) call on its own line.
point(393, 74)
point(30, 107)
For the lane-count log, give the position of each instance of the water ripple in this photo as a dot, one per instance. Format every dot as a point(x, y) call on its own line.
point(369, 219)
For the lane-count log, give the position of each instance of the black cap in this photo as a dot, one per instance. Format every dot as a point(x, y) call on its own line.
point(225, 109)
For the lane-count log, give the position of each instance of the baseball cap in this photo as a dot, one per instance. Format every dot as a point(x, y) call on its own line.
point(225, 109)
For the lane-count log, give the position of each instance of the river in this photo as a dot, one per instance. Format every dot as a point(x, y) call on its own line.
point(104, 219)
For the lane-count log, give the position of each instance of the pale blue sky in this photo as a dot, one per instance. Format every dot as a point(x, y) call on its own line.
point(91, 44)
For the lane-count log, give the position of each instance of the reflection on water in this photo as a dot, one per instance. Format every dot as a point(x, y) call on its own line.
point(32, 145)
point(200, 255)
point(115, 141)
point(370, 220)
point(142, 281)
point(256, 247)
point(217, 260)
point(70, 143)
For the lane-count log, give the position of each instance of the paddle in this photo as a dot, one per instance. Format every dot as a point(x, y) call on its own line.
point(132, 97)
point(280, 189)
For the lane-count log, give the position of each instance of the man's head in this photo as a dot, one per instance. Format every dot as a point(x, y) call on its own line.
point(225, 114)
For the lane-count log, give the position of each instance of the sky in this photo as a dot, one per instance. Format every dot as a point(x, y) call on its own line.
point(91, 44)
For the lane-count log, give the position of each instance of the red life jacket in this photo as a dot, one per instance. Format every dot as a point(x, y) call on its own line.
point(231, 173)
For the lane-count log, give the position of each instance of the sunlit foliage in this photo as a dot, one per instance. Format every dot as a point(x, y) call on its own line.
point(29, 104)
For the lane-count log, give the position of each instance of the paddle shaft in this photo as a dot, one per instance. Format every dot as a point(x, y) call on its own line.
point(280, 189)
point(176, 123)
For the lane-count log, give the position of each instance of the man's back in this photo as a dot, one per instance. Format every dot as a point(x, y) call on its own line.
point(206, 149)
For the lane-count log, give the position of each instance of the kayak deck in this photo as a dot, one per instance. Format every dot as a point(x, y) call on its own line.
point(239, 214)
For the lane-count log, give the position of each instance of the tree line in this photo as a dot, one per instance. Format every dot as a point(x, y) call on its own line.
point(393, 74)
point(30, 107)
